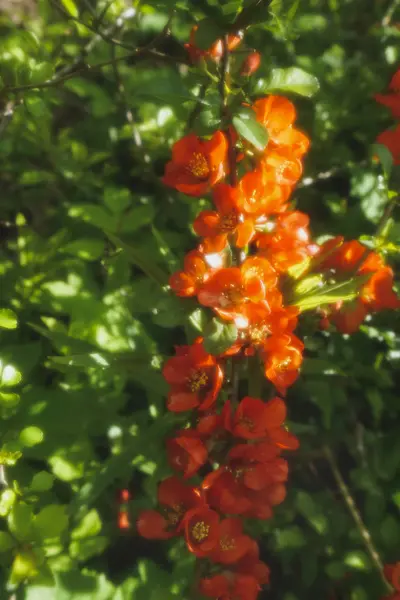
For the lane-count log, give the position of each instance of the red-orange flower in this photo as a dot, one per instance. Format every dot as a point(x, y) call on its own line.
point(187, 282)
point(378, 292)
point(391, 139)
point(251, 564)
point(195, 378)
point(228, 221)
point(233, 544)
point(392, 100)
point(196, 164)
point(283, 355)
point(260, 194)
point(186, 452)
point(289, 243)
point(254, 419)
point(278, 114)
point(175, 499)
point(227, 290)
point(202, 530)
point(230, 586)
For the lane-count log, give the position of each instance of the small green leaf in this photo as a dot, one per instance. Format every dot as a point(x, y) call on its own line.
point(329, 294)
point(85, 248)
point(8, 319)
point(385, 157)
point(31, 436)
point(8, 399)
point(247, 126)
point(219, 336)
point(6, 541)
point(42, 482)
point(288, 80)
point(9, 376)
point(24, 567)
point(70, 6)
point(7, 500)
point(308, 284)
point(51, 521)
point(88, 527)
point(20, 521)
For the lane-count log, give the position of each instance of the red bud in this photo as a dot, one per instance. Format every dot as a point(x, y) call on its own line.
point(251, 64)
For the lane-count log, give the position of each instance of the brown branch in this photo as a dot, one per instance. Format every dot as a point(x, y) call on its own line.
point(353, 510)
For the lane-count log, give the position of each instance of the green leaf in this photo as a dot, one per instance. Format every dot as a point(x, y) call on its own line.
point(219, 336)
point(51, 521)
point(62, 340)
point(136, 218)
point(9, 376)
point(31, 436)
point(85, 549)
point(85, 248)
point(71, 8)
point(6, 541)
point(8, 399)
point(89, 526)
point(288, 80)
point(24, 567)
point(42, 482)
point(7, 500)
point(149, 268)
point(117, 199)
point(8, 319)
point(92, 360)
point(247, 126)
point(20, 521)
point(385, 157)
point(330, 294)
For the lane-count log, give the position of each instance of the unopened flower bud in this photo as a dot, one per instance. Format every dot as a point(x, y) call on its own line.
point(251, 64)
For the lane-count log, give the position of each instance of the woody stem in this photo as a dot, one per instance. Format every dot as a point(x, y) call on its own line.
point(237, 255)
point(353, 510)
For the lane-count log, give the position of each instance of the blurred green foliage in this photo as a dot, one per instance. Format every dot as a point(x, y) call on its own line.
point(88, 236)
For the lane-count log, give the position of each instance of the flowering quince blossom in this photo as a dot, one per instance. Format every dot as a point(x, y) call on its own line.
point(197, 164)
point(245, 273)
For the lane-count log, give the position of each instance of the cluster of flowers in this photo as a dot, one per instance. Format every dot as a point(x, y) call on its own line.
point(392, 574)
point(349, 259)
point(391, 137)
point(249, 244)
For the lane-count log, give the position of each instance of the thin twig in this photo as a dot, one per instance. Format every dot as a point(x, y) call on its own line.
point(353, 510)
point(197, 107)
point(387, 17)
point(139, 54)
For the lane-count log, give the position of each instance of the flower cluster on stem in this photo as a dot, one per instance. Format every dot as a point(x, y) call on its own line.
point(228, 458)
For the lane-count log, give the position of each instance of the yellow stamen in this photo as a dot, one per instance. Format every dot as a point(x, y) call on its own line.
point(200, 531)
point(198, 166)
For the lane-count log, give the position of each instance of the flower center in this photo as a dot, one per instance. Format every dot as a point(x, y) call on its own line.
point(174, 514)
point(197, 379)
point(229, 222)
point(258, 334)
point(198, 166)
point(200, 531)
point(232, 295)
point(248, 423)
point(227, 543)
